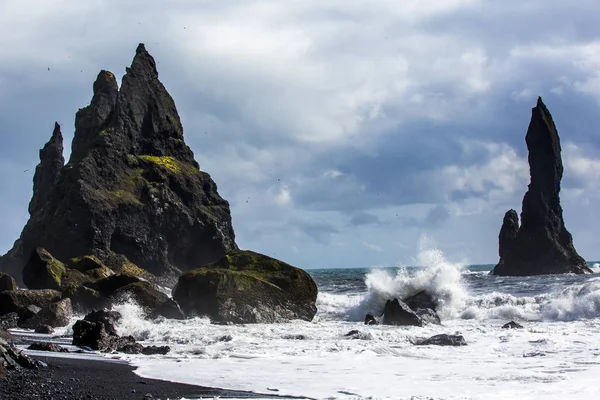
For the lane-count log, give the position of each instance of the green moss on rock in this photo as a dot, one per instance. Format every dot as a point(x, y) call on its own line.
point(247, 287)
point(43, 271)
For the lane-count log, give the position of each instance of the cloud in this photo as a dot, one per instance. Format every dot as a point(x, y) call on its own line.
point(328, 121)
point(373, 247)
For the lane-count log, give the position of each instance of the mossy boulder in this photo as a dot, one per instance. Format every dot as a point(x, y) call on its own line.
point(247, 287)
point(18, 300)
point(7, 282)
point(43, 271)
point(54, 314)
point(131, 186)
point(154, 302)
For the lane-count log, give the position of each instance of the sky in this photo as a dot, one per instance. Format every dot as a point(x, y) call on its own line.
point(343, 134)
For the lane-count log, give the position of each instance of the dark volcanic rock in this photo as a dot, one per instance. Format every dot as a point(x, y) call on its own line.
point(97, 331)
point(154, 302)
point(107, 318)
point(247, 287)
point(47, 173)
point(7, 282)
point(396, 312)
point(12, 358)
point(428, 316)
point(18, 300)
point(421, 300)
point(47, 329)
point(43, 271)
point(508, 232)
point(131, 186)
point(9, 321)
point(441, 340)
point(542, 244)
point(44, 346)
point(512, 325)
point(54, 314)
point(370, 320)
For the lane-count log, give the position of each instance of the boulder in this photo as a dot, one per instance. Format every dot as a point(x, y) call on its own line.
point(94, 335)
point(428, 316)
point(46, 329)
point(44, 346)
point(109, 319)
point(441, 340)
point(396, 312)
point(54, 314)
point(85, 299)
point(42, 271)
point(542, 244)
point(12, 358)
point(512, 325)
point(131, 186)
point(247, 287)
point(154, 302)
point(136, 348)
point(9, 321)
point(18, 300)
point(7, 282)
point(370, 320)
point(421, 300)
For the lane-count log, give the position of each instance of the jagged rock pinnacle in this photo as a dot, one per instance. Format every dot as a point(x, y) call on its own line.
point(47, 173)
point(131, 187)
point(542, 244)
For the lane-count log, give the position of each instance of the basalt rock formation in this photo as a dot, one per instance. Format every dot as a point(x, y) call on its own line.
point(247, 287)
point(542, 244)
point(131, 191)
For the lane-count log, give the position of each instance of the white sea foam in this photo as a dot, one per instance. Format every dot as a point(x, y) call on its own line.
point(556, 355)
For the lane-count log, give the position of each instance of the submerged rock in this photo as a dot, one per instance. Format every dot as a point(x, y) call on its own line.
point(397, 312)
point(247, 287)
point(512, 325)
point(542, 244)
point(441, 340)
point(370, 320)
point(131, 187)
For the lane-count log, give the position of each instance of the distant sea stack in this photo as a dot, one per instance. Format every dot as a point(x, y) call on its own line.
point(542, 244)
point(131, 191)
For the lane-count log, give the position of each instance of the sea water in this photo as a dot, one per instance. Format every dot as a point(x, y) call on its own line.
point(555, 356)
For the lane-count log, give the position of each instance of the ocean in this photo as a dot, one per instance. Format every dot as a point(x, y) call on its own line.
point(555, 356)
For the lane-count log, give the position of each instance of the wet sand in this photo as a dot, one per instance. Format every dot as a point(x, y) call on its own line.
point(74, 378)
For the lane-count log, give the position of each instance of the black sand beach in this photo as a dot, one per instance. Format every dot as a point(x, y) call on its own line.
point(68, 378)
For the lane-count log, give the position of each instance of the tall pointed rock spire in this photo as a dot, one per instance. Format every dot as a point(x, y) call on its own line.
point(542, 244)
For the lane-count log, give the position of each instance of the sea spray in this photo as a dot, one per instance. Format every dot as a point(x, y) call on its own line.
point(437, 276)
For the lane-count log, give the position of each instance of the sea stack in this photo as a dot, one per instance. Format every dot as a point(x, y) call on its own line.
point(542, 244)
point(131, 191)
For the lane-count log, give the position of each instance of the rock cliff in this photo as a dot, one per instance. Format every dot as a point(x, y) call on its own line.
point(542, 244)
point(131, 191)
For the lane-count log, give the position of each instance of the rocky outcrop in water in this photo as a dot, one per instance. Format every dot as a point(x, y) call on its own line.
point(247, 287)
point(131, 191)
point(441, 340)
point(542, 244)
point(98, 331)
point(397, 312)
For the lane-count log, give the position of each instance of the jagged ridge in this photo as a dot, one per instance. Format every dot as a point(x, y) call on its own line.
point(131, 187)
point(542, 244)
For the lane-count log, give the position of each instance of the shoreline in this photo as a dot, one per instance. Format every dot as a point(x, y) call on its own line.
point(72, 378)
